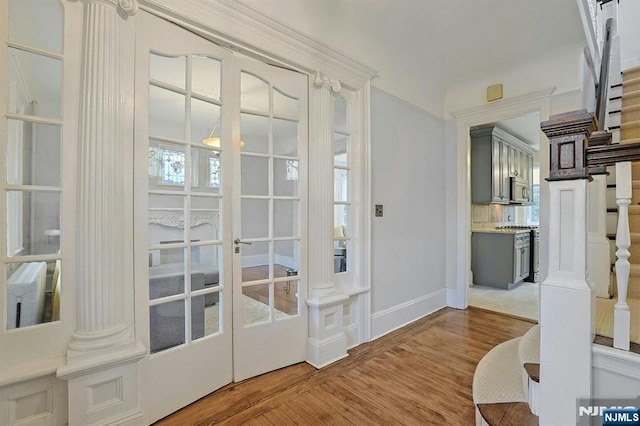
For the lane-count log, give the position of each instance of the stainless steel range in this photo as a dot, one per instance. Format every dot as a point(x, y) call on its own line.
point(534, 274)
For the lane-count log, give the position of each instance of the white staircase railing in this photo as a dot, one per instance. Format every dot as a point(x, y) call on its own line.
point(622, 315)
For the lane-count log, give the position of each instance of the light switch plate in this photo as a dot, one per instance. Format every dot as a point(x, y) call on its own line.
point(378, 210)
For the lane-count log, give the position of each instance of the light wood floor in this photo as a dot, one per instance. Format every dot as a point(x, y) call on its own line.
point(418, 375)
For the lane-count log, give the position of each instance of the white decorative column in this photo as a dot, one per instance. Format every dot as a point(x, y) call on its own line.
point(327, 340)
point(102, 355)
point(566, 298)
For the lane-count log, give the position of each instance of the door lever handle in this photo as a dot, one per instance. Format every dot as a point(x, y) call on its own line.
point(238, 241)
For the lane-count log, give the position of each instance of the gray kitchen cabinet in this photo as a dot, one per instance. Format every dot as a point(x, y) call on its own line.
point(489, 167)
point(496, 157)
point(500, 259)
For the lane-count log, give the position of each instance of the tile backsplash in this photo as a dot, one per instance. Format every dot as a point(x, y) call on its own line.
point(491, 215)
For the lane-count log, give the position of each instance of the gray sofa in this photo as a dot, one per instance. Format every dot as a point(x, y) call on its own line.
point(167, 320)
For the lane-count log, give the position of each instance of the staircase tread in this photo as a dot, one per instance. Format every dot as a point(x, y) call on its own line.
point(631, 70)
point(533, 370)
point(529, 346)
point(508, 414)
point(498, 376)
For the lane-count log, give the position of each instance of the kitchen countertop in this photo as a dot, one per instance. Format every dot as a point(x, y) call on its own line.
point(501, 231)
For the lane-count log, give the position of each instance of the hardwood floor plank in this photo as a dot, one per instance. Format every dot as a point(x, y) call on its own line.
point(420, 374)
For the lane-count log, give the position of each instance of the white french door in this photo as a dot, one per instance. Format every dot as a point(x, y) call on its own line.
point(220, 150)
point(270, 181)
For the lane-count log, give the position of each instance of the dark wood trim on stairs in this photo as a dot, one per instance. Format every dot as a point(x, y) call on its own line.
point(615, 111)
point(533, 370)
point(614, 127)
point(615, 98)
point(609, 155)
point(614, 86)
point(613, 210)
point(611, 185)
point(608, 341)
point(508, 414)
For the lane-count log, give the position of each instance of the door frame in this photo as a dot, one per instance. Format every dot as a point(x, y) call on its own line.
point(242, 28)
point(458, 203)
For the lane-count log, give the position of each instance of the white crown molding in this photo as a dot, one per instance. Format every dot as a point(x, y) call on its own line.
point(502, 104)
point(238, 26)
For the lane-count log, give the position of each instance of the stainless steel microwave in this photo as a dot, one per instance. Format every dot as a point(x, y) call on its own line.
point(519, 190)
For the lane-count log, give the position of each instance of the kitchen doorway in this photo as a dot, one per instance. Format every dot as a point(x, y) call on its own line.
point(505, 216)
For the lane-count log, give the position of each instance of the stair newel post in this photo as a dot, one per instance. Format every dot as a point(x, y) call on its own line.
point(622, 315)
point(566, 295)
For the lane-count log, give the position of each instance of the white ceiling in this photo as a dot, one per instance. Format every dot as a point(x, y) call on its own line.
point(422, 48)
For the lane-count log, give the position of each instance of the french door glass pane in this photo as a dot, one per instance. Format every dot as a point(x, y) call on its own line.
point(167, 116)
point(285, 178)
point(285, 218)
point(206, 168)
point(34, 223)
point(33, 293)
point(205, 77)
point(255, 175)
point(205, 125)
point(286, 259)
point(166, 272)
point(255, 304)
point(285, 137)
point(340, 185)
point(43, 72)
point(170, 70)
point(254, 133)
point(341, 114)
point(167, 166)
point(254, 93)
point(340, 150)
point(285, 105)
point(198, 318)
point(167, 325)
point(166, 218)
point(205, 260)
point(255, 218)
point(255, 261)
point(286, 299)
point(33, 153)
point(212, 321)
point(43, 15)
point(205, 218)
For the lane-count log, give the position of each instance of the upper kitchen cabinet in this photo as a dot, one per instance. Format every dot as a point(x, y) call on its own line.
point(496, 158)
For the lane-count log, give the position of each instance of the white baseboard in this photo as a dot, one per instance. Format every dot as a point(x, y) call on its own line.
point(616, 373)
point(398, 316)
point(351, 331)
point(324, 352)
point(455, 300)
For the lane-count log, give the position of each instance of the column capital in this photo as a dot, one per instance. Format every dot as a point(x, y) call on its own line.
point(129, 7)
point(320, 80)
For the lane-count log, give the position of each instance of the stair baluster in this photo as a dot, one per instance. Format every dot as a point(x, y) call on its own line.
point(622, 315)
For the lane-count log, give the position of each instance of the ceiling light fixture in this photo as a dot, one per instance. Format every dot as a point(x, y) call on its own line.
point(214, 142)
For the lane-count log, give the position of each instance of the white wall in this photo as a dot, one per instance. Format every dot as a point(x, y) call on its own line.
point(408, 242)
point(562, 71)
point(629, 31)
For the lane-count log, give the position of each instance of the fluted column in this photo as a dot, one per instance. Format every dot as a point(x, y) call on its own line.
point(100, 191)
point(321, 186)
point(327, 340)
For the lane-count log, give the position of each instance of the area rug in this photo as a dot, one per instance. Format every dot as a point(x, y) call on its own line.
point(253, 312)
